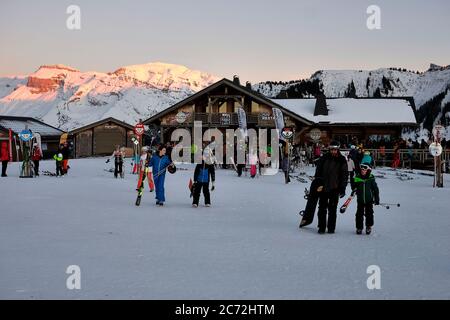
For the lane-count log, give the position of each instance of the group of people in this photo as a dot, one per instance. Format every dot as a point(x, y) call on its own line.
point(331, 179)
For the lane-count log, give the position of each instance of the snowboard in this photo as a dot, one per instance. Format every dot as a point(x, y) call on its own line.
point(347, 202)
point(312, 197)
point(191, 187)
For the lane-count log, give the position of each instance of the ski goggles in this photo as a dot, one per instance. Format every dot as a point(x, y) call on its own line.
point(364, 167)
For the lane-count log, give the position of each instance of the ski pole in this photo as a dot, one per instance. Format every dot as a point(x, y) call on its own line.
point(388, 205)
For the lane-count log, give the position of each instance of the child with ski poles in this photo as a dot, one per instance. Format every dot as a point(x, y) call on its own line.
point(160, 162)
point(203, 174)
point(368, 194)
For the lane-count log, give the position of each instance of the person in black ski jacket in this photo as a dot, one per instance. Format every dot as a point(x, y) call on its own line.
point(203, 174)
point(332, 168)
point(367, 194)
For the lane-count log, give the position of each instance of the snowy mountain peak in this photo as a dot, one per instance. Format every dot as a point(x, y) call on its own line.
point(166, 76)
point(435, 67)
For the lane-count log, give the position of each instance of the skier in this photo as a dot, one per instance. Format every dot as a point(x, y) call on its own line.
point(159, 162)
point(203, 174)
point(36, 157)
point(332, 168)
point(118, 156)
point(59, 164)
point(144, 170)
point(4, 157)
point(65, 152)
point(367, 194)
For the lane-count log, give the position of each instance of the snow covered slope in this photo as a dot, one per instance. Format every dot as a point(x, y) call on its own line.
point(385, 82)
point(67, 98)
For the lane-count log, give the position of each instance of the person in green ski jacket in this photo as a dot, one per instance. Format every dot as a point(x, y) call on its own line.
point(368, 194)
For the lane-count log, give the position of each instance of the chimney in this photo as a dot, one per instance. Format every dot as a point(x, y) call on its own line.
point(321, 105)
point(248, 85)
point(236, 80)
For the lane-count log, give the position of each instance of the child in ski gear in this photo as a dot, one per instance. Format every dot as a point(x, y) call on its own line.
point(253, 161)
point(4, 156)
point(36, 156)
point(59, 166)
point(332, 168)
point(367, 194)
point(159, 162)
point(203, 174)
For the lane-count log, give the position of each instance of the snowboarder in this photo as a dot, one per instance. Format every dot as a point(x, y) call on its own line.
point(367, 194)
point(332, 168)
point(36, 157)
point(203, 174)
point(159, 162)
point(59, 164)
point(4, 157)
point(65, 152)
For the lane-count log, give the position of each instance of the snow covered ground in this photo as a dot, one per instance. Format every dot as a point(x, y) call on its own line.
point(246, 246)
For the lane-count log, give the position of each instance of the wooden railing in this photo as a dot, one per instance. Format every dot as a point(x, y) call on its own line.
point(229, 118)
point(407, 156)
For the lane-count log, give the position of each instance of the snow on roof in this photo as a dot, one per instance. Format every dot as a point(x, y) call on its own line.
point(17, 125)
point(353, 111)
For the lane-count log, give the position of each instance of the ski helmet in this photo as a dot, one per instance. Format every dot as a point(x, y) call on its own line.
point(60, 155)
point(172, 169)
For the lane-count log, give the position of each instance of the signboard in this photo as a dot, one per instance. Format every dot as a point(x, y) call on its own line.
point(315, 134)
point(139, 129)
point(181, 117)
point(265, 116)
point(25, 135)
point(225, 118)
point(435, 149)
point(287, 133)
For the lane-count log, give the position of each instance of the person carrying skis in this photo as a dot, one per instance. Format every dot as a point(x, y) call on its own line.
point(118, 156)
point(36, 156)
point(159, 162)
point(367, 194)
point(59, 164)
point(4, 156)
point(145, 172)
point(332, 168)
point(204, 173)
point(351, 170)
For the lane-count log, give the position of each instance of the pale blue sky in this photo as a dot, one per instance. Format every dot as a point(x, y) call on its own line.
point(257, 39)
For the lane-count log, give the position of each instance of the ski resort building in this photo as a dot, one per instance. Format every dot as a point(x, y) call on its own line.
point(100, 138)
point(313, 120)
point(49, 135)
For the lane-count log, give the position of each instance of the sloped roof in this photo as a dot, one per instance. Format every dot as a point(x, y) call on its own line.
point(100, 122)
point(355, 111)
point(17, 124)
point(257, 96)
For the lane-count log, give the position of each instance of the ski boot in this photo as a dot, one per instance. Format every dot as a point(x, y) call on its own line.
point(368, 230)
point(358, 231)
point(195, 205)
point(321, 231)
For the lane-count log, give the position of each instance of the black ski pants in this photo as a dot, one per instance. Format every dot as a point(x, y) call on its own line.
point(4, 167)
point(117, 168)
point(364, 210)
point(36, 167)
point(328, 202)
point(198, 187)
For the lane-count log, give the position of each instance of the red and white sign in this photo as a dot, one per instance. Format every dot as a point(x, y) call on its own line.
point(139, 129)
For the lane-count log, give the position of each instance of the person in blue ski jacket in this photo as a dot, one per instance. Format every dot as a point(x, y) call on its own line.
point(159, 162)
point(203, 174)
